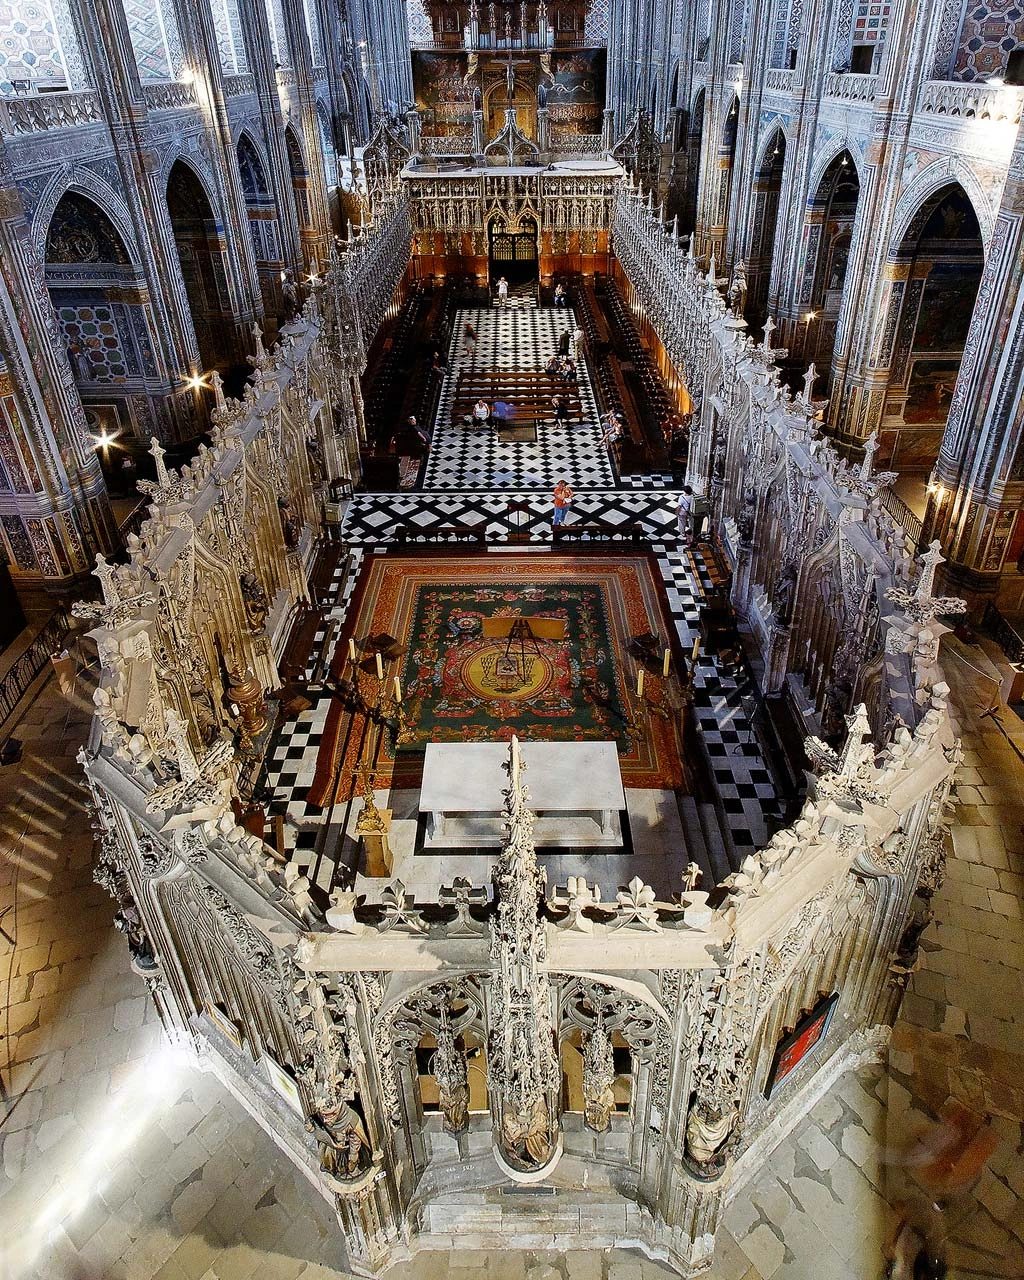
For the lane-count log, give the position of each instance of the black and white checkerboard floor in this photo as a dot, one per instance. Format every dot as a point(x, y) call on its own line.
point(469, 458)
point(724, 697)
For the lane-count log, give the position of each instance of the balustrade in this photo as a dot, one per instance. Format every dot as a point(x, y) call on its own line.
point(971, 101)
point(850, 87)
point(170, 96)
point(238, 86)
point(49, 111)
point(779, 80)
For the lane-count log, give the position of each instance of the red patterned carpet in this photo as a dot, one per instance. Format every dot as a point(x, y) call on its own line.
point(454, 670)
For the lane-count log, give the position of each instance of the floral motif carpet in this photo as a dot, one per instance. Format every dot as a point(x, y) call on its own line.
point(464, 681)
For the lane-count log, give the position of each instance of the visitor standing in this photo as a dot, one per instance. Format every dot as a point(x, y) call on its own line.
point(564, 338)
point(577, 342)
point(684, 514)
point(501, 412)
point(562, 498)
point(469, 340)
point(560, 409)
point(502, 292)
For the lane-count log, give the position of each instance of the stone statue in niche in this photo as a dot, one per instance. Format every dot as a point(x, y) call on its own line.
point(746, 515)
point(707, 1131)
point(478, 99)
point(783, 595)
point(542, 96)
point(344, 1146)
point(203, 710)
point(598, 1080)
point(129, 922)
point(257, 606)
point(291, 526)
point(738, 291)
point(316, 458)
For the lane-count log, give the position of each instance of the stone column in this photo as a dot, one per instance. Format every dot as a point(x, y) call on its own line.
point(259, 52)
point(199, 39)
point(873, 288)
point(104, 37)
point(55, 515)
point(977, 498)
point(316, 239)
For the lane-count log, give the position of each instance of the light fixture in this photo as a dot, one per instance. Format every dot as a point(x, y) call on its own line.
point(105, 439)
point(196, 382)
point(809, 316)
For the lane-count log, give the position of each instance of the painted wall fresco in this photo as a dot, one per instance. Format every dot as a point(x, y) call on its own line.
point(990, 32)
point(576, 95)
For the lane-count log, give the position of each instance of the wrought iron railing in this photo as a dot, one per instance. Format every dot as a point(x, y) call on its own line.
point(1003, 633)
point(904, 517)
point(28, 665)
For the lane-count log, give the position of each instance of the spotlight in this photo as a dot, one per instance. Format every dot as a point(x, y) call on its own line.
point(105, 439)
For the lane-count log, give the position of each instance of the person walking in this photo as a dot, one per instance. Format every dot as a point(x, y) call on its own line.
point(560, 408)
point(469, 340)
point(501, 412)
point(502, 292)
point(684, 514)
point(562, 499)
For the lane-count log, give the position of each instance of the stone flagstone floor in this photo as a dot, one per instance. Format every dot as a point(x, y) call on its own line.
point(122, 1161)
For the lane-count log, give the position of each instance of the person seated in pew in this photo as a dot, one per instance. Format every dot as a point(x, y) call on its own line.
point(560, 406)
point(482, 413)
point(553, 365)
point(569, 371)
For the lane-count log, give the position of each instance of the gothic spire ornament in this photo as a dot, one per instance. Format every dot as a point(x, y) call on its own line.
point(523, 1072)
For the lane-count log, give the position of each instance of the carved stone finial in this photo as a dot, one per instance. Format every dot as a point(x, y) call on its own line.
point(217, 382)
point(157, 451)
point(105, 573)
point(871, 447)
point(809, 380)
point(930, 561)
point(769, 328)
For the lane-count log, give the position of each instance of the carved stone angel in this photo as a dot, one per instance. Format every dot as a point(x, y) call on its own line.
point(527, 1137)
point(782, 596)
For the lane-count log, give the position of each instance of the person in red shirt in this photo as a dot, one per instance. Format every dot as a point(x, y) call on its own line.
point(562, 498)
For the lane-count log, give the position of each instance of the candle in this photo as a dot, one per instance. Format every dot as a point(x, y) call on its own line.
point(696, 650)
point(351, 650)
point(398, 690)
point(380, 667)
point(640, 683)
point(664, 664)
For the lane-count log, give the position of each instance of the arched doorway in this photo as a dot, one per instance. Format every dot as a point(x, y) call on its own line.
point(201, 251)
point(764, 226)
point(524, 101)
point(830, 218)
point(263, 224)
point(936, 271)
point(512, 251)
point(101, 303)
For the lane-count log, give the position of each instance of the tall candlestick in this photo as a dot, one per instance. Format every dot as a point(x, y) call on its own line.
point(380, 667)
point(664, 664)
point(351, 650)
point(640, 683)
point(696, 650)
point(398, 690)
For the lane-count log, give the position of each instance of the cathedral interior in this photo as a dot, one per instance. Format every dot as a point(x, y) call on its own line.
point(512, 639)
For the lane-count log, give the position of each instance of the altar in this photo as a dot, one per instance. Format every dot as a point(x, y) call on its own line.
point(575, 792)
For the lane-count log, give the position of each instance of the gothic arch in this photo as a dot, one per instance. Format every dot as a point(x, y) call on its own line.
point(191, 162)
point(245, 141)
point(929, 182)
point(829, 157)
point(89, 184)
point(776, 125)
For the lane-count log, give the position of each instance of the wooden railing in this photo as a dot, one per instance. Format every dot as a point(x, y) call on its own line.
point(1003, 633)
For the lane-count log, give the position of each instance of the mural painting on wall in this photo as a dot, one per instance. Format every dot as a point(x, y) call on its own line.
point(82, 233)
point(29, 45)
point(930, 390)
point(576, 95)
point(444, 94)
point(943, 320)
